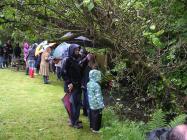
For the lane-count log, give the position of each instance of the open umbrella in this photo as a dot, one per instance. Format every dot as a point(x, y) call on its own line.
point(39, 48)
point(62, 50)
point(48, 45)
point(82, 38)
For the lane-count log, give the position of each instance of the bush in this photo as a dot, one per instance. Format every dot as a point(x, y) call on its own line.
point(114, 129)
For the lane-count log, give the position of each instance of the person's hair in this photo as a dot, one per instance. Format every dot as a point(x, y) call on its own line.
point(92, 60)
point(48, 49)
point(175, 135)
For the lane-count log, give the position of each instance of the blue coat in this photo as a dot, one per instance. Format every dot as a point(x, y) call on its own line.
point(95, 97)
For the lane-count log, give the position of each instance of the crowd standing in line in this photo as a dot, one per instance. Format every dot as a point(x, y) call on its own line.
point(78, 70)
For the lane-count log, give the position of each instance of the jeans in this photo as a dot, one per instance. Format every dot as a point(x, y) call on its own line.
point(58, 72)
point(76, 105)
point(1, 61)
point(85, 102)
point(31, 64)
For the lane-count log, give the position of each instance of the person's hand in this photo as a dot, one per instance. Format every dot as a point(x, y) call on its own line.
point(70, 87)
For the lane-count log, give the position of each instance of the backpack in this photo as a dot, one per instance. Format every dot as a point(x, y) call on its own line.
point(65, 56)
point(63, 68)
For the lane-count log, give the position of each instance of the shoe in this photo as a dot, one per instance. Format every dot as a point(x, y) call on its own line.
point(78, 126)
point(94, 131)
point(79, 122)
point(70, 124)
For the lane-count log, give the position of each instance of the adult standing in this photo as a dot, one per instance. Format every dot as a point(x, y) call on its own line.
point(9, 50)
point(44, 65)
point(1, 56)
point(17, 55)
point(31, 59)
point(73, 80)
point(90, 61)
point(25, 52)
point(5, 56)
point(17, 51)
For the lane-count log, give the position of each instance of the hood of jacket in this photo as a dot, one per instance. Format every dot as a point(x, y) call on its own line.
point(95, 75)
point(72, 47)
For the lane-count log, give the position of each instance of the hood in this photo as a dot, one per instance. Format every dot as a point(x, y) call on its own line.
point(72, 47)
point(26, 45)
point(95, 75)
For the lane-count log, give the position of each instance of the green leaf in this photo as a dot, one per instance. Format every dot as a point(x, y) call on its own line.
point(156, 41)
point(152, 27)
point(90, 6)
point(159, 33)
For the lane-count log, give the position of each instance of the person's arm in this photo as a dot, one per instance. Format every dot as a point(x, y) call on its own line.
point(98, 96)
point(67, 65)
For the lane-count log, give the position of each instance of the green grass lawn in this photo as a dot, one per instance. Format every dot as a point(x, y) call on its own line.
point(30, 110)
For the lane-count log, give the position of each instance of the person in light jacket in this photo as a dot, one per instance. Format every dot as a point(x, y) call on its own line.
point(95, 100)
point(44, 65)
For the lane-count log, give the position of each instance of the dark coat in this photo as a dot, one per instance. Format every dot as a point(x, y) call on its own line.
point(73, 69)
point(1, 51)
point(17, 51)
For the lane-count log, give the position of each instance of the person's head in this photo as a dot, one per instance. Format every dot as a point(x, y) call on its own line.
point(17, 44)
point(26, 45)
point(9, 42)
point(83, 52)
point(74, 50)
point(95, 75)
point(48, 49)
point(178, 133)
point(92, 61)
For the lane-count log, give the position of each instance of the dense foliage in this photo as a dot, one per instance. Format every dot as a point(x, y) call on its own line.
point(147, 38)
point(128, 130)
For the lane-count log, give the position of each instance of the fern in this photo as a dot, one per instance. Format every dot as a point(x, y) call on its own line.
point(177, 120)
point(157, 121)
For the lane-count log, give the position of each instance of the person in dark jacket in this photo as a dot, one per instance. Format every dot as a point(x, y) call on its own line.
point(17, 51)
point(1, 56)
point(17, 56)
point(73, 82)
point(5, 56)
point(90, 61)
point(9, 50)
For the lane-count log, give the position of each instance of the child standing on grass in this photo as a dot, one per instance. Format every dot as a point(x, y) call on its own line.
point(95, 100)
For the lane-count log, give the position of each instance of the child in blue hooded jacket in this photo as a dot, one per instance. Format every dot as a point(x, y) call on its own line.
point(95, 100)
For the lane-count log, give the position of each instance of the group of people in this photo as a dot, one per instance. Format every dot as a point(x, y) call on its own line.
point(78, 70)
point(8, 53)
point(81, 75)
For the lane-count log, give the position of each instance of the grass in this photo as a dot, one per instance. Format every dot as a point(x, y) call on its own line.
point(30, 110)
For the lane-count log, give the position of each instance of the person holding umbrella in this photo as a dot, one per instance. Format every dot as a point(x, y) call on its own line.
point(73, 82)
point(44, 65)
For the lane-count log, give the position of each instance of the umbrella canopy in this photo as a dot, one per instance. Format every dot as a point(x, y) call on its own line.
point(83, 38)
point(39, 48)
point(67, 35)
point(61, 50)
point(48, 45)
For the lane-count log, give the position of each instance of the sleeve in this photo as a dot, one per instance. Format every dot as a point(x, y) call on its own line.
point(98, 96)
point(67, 69)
